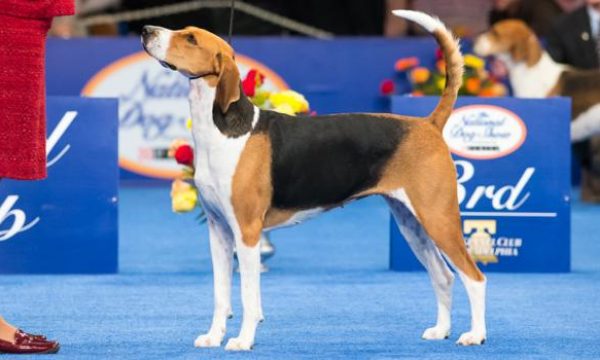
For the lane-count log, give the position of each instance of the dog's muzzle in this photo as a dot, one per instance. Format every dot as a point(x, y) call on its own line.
point(148, 32)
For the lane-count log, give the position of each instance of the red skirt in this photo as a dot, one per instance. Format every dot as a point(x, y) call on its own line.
point(22, 93)
point(22, 87)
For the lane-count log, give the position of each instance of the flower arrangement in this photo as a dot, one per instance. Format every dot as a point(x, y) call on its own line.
point(287, 101)
point(184, 195)
point(477, 81)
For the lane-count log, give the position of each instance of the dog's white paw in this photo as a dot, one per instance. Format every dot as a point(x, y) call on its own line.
point(436, 333)
point(471, 338)
point(208, 340)
point(238, 344)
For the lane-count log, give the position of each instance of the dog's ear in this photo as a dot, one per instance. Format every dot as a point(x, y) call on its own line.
point(526, 49)
point(228, 86)
point(534, 50)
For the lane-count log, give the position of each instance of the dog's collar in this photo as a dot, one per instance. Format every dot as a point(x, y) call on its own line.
point(202, 75)
point(174, 68)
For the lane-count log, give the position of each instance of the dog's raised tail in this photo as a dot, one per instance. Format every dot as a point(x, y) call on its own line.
point(454, 62)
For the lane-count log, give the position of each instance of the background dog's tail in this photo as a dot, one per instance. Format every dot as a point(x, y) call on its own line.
point(454, 62)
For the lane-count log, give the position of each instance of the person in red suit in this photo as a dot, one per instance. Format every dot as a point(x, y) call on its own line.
point(24, 24)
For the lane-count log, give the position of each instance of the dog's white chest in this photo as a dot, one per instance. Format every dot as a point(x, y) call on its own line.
point(216, 155)
point(535, 81)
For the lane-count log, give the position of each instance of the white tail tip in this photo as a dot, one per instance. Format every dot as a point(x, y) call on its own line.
point(429, 22)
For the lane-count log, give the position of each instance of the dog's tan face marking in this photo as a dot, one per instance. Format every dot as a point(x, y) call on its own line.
point(512, 37)
point(197, 53)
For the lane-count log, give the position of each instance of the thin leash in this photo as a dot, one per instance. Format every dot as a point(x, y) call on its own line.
point(231, 11)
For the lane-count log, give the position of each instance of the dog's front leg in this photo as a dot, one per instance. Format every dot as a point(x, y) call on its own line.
point(221, 249)
point(248, 253)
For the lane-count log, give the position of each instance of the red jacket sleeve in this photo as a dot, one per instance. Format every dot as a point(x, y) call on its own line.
point(37, 9)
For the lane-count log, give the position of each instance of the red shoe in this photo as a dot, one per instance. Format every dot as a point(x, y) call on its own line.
point(33, 336)
point(26, 344)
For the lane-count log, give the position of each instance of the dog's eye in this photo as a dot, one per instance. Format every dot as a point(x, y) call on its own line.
point(191, 39)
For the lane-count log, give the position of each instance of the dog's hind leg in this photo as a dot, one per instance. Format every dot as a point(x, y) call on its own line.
point(428, 254)
point(248, 252)
point(221, 248)
point(435, 204)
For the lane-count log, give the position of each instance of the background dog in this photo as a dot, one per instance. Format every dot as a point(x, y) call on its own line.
point(258, 169)
point(534, 74)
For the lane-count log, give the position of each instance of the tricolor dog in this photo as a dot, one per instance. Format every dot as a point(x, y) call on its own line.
point(258, 169)
point(534, 74)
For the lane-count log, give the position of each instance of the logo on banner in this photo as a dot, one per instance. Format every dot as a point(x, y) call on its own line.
point(154, 108)
point(485, 245)
point(7, 207)
point(484, 132)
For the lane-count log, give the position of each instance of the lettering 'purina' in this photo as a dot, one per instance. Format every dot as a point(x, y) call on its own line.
point(16, 217)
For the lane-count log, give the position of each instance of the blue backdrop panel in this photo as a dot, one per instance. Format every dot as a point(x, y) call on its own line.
point(66, 223)
point(341, 75)
point(532, 234)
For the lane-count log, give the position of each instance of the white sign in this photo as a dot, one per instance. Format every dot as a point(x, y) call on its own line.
point(154, 108)
point(484, 132)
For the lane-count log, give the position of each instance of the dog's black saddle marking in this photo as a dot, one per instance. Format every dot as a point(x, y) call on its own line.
point(324, 160)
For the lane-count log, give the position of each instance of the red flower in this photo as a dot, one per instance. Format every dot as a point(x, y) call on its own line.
point(438, 54)
point(258, 76)
point(249, 86)
point(253, 80)
point(387, 87)
point(184, 155)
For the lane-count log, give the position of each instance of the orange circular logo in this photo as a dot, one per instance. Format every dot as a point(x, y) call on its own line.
point(154, 108)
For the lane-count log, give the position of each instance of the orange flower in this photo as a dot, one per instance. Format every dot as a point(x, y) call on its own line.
point(496, 89)
point(406, 63)
point(487, 92)
point(420, 75)
point(473, 85)
point(441, 66)
point(499, 89)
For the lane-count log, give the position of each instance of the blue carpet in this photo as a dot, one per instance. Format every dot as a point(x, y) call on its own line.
point(329, 295)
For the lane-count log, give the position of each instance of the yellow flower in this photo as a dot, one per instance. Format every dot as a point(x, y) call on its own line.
point(285, 109)
point(260, 97)
point(184, 196)
point(188, 123)
point(441, 83)
point(295, 100)
point(474, 61)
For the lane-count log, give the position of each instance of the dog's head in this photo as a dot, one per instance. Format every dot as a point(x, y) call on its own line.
point(196, 53)
point(512, 40)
